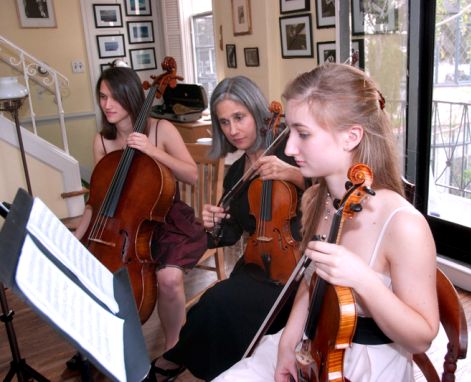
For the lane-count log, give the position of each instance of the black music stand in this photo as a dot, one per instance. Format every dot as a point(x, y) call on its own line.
point(18, 365)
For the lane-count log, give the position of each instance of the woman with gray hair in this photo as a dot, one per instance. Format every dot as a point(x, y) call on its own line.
point(222, 324)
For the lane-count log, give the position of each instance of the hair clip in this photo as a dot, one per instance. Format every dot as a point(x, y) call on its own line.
point(382, 101)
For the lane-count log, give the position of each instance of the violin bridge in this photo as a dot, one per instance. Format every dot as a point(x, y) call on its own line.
point(264, 239)
point(107, 243)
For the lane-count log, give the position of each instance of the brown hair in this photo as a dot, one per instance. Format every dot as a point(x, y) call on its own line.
point(340, 96)
point(126, 88)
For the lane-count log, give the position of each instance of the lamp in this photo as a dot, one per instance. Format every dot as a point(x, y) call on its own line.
point(12, 95)
point(119, 63)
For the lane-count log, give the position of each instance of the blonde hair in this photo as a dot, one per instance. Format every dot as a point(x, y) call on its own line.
point(340, 96)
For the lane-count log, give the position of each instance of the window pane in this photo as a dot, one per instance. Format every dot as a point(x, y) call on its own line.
point(203, 52)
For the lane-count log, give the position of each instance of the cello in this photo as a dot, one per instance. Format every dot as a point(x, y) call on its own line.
point(271, 246)
point(331, 320)
point(130, 193)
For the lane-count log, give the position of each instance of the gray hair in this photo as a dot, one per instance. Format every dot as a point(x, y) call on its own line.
point(242, 90)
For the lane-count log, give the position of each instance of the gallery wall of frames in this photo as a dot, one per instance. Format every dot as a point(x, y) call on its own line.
point(125, 31)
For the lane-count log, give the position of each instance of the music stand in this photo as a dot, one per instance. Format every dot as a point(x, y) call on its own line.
point(18, 365)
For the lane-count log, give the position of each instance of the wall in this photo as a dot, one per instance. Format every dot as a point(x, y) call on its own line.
point(274, 71)
point(58, 47)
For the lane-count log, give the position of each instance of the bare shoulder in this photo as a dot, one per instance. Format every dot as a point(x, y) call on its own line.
point(407, 229)
point(166, 130)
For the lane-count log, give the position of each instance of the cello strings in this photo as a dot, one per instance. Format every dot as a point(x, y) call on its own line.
point(117, 182)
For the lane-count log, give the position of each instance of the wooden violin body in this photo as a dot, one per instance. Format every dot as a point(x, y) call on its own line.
point(272, 246)
point(124, 239)
point(322, 358)
point(331, 322)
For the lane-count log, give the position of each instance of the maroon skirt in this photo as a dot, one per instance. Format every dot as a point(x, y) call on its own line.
point(181, 240)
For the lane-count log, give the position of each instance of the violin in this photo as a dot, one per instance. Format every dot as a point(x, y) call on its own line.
point(130, 193)
point(229, 196)
point(273, 203)
point(331, 321)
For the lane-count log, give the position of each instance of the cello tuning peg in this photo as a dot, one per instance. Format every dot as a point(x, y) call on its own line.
point(356, 207)
point(348, 185)
point(370, 191)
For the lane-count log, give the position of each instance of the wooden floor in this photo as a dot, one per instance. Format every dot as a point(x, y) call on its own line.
point(46, 351)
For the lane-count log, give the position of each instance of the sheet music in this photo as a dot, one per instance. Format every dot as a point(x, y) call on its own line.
point(74, 311)
point(55, 236)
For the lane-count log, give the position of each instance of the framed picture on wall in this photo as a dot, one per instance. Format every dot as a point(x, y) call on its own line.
point(326, 52)
point(103, 67)
point(369, 17)
point(143, 59)
point(358, 53)
point(140, 32)
point(36, 13)
point(288, 6)
point(111, 45)
point(241, 19)
point(325, 13)
point(231, 56)
point(107, 16)
point(138, 8)
point(251, 57)
point(296, 36)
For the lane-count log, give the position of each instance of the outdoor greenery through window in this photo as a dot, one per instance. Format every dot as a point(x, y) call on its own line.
point(453, 42)
point(450, 146)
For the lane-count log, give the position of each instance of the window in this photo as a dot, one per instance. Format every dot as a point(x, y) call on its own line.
point(204, 57)
point(453, 43)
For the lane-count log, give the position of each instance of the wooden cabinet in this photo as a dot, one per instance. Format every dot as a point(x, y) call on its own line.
point(191, 131)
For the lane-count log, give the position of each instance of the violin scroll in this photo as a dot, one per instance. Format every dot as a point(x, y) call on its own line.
point(359, 185)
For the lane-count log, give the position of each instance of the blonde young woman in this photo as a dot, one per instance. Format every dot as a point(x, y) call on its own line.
point(386, 253)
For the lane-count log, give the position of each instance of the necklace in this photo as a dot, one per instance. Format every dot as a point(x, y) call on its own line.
point(329, 205)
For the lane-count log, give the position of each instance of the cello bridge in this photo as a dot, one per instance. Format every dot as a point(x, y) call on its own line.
point(264, 239)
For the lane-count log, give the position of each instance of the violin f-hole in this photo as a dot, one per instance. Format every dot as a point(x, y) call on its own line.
point(124, 248)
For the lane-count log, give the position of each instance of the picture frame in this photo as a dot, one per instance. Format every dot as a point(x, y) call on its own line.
point(103, 67)
point(231, 56)
point(358, 45)
point(326, 52)
point(138, 8)
point(289, 6)
point(241, 18)
point(296, 36)
point(36, 14)
point(325, 13)
point(140, 32)
point(251, 57)
point(143, 59)
point(107, 15)
point(111, 45)
point(370, 18)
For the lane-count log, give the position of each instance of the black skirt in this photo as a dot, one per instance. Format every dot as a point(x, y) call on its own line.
point(221, 326)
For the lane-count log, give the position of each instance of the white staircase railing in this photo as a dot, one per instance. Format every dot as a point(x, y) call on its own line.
point(42, 74)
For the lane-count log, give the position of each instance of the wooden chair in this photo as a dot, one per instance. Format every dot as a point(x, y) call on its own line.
point(452, 319)
point(454, 322)
point(207, 190)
